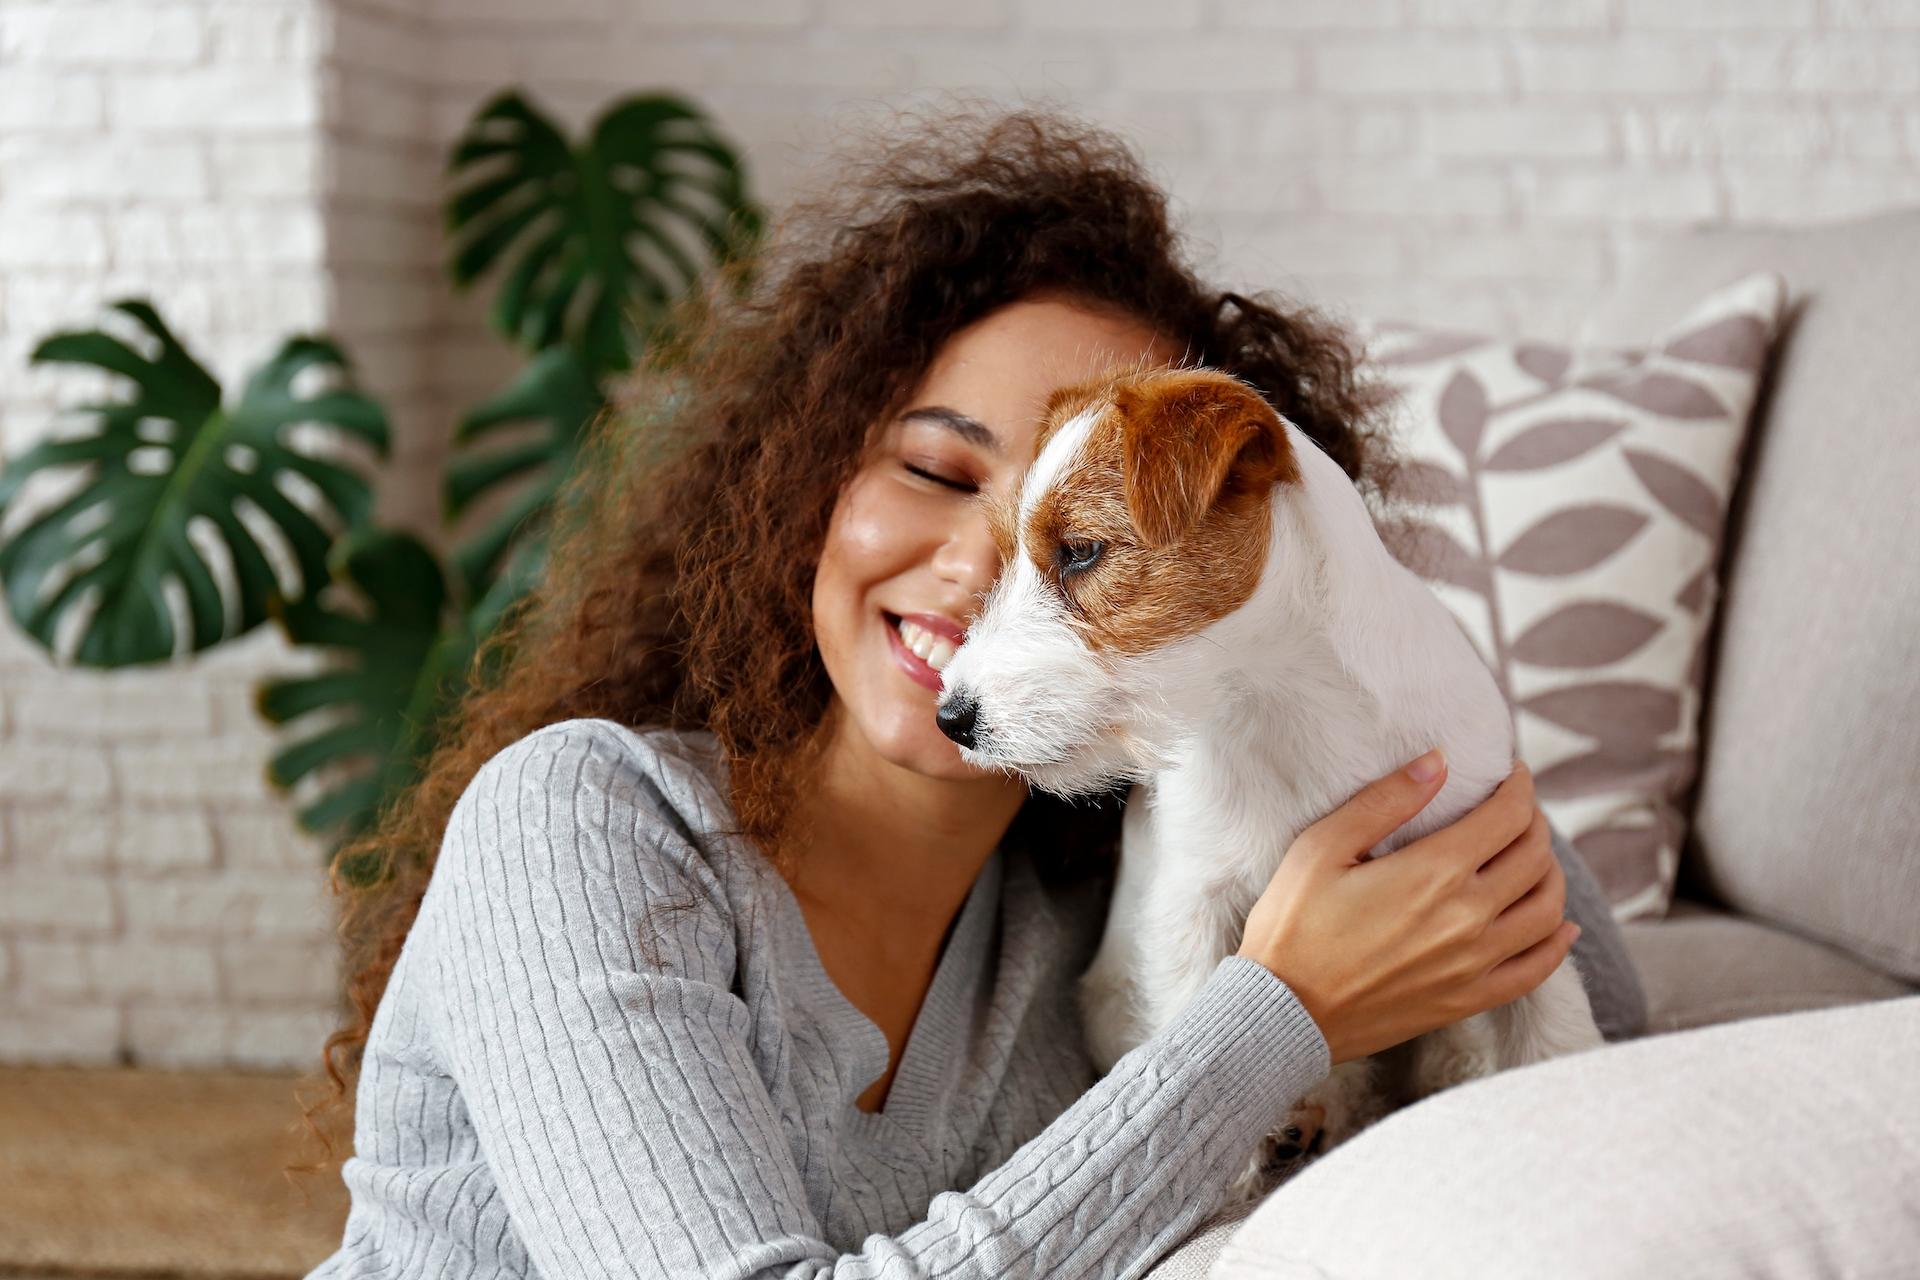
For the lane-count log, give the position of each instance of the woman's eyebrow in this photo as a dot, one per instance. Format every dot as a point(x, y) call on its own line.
point(971, 430)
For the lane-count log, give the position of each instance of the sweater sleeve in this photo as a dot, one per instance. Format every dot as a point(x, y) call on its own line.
point(1600, 953)
point(584, 950)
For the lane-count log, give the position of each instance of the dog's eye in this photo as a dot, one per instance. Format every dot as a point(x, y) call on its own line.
point(1077, 555)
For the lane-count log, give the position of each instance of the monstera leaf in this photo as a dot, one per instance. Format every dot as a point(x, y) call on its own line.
point(404, 659)
point(557, 391)
point(596, 239)
point(168, 458)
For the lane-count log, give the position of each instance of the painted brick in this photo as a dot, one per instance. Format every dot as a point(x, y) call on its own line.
point(1311, 129)
point(924, 15)
point(1630, 65)
point(37, 101)
point(280, 1038)
point(40, 900)
point(72, 839)
point(1680, 133)
point(221, 769)
point(721, 14)
point(45, 771)
point(1487, 256)
point(86, 34)
point(1518, 131)
point(1653, 196)
point(1870, 15)
point(1478, 15)
point(71, 238)
point(1403, 67)
point(1310, 15)
point(1208, 65)
point(244, 33)
point(236, 99)
point(1108, 16)
point(262, 841)
point(264, 165)
point(51, 1034)
point(1873, 133)
point(233, 905)
point(269, 973)
point(269, 235)
point(1399, 194)
point(1845, 65)
point(1725, 15)
point(53, 170)
point(115, 705)
point(1813, 195)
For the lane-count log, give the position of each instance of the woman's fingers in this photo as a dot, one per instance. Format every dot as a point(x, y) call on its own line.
point(1519, 974)
point(1378, 809)
point(1533, 917)
point(1471, 841)
point(1503, 878)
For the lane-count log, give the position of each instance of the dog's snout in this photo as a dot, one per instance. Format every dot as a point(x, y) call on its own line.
point(956, 716)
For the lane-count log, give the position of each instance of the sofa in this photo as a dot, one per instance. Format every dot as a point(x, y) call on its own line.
point(1768, 1120)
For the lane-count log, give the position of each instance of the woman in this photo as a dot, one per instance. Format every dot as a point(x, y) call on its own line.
point(728, 965)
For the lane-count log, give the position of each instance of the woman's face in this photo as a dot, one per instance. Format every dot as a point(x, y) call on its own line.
point(908, 555)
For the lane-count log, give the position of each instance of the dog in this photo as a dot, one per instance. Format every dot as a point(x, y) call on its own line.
point(1194, 600)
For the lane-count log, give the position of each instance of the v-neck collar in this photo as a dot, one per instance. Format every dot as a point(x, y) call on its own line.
point(939, 1030)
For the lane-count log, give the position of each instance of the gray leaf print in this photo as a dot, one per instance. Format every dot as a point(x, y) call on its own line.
point(1607, 770)
point(1620, 713)
point(1691, 499)
point(1428, 484)
point(1572, 541)
point(1434, 554)
point(1694, 596)
point(1432, 346)
point(1589, 634)
point(1736, 342)
point(1549, 364)
point(1463, 412)
point(1625, 860)
point(1548, 444)
point(1666, 394)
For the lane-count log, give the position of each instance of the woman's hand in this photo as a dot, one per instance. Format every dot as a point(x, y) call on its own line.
point(1461, 920)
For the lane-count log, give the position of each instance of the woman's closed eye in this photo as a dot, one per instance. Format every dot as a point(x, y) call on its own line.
point(957, 483)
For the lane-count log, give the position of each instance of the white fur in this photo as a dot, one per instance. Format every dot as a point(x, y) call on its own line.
point(1340, 668)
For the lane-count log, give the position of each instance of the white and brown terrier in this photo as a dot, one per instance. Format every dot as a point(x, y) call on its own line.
point(1194, 599)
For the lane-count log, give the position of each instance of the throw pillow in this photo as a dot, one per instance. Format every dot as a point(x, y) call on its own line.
point(1567, 505)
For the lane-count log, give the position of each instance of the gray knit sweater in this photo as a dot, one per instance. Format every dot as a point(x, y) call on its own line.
point(609, 1048)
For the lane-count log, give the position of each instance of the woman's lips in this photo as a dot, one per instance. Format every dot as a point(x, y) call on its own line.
point(916, 668)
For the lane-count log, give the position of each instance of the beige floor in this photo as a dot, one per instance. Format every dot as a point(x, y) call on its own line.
point(115, 1173)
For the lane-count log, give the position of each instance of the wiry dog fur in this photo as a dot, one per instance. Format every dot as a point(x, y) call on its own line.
point(1243, 649)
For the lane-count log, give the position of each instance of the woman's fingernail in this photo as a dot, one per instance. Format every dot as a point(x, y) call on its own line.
point(1576, 934)
point(1424, 769)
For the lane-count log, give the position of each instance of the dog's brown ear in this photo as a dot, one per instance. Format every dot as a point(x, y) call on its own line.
point(1188, 438)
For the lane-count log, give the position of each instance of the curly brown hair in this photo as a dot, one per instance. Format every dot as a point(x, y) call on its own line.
point(678, 593)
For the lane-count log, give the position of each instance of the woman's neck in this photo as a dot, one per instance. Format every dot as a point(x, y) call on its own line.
point(887, 851)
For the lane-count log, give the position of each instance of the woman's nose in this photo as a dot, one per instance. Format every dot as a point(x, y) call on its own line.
point(968, 557)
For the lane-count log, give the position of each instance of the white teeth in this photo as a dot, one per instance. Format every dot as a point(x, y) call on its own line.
point(935, 651)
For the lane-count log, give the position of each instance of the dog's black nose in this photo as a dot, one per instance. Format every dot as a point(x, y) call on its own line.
point(955, 718)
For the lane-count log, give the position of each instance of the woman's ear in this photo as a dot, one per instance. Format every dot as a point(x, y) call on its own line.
point(1189, 436)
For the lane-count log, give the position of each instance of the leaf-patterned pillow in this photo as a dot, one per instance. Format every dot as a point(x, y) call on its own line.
point(1567, 506)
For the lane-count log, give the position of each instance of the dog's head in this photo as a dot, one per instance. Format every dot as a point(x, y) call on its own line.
point(1145, 521)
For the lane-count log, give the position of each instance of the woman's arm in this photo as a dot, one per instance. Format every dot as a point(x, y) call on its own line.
point(1600, 953)
point(585, 954)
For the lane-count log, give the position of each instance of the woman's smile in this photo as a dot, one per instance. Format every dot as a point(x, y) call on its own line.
point(921, 644)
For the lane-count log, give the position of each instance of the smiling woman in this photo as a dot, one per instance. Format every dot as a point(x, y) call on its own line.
point(703, 951)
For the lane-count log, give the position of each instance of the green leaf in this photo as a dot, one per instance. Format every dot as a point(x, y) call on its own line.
point(402, 665)
point(166, 457)
point(555, 390)
point(594, 239)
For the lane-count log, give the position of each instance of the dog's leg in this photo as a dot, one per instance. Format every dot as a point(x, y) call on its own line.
point(1552, 1020)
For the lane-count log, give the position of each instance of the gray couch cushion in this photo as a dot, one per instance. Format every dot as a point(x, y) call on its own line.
point(1701, 966)
point(1770, 1147)
point(1807, 805)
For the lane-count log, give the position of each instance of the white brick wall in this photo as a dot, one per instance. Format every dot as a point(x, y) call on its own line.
point(264, 166)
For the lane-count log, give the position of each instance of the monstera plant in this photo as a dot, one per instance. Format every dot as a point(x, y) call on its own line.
point(158, 552)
